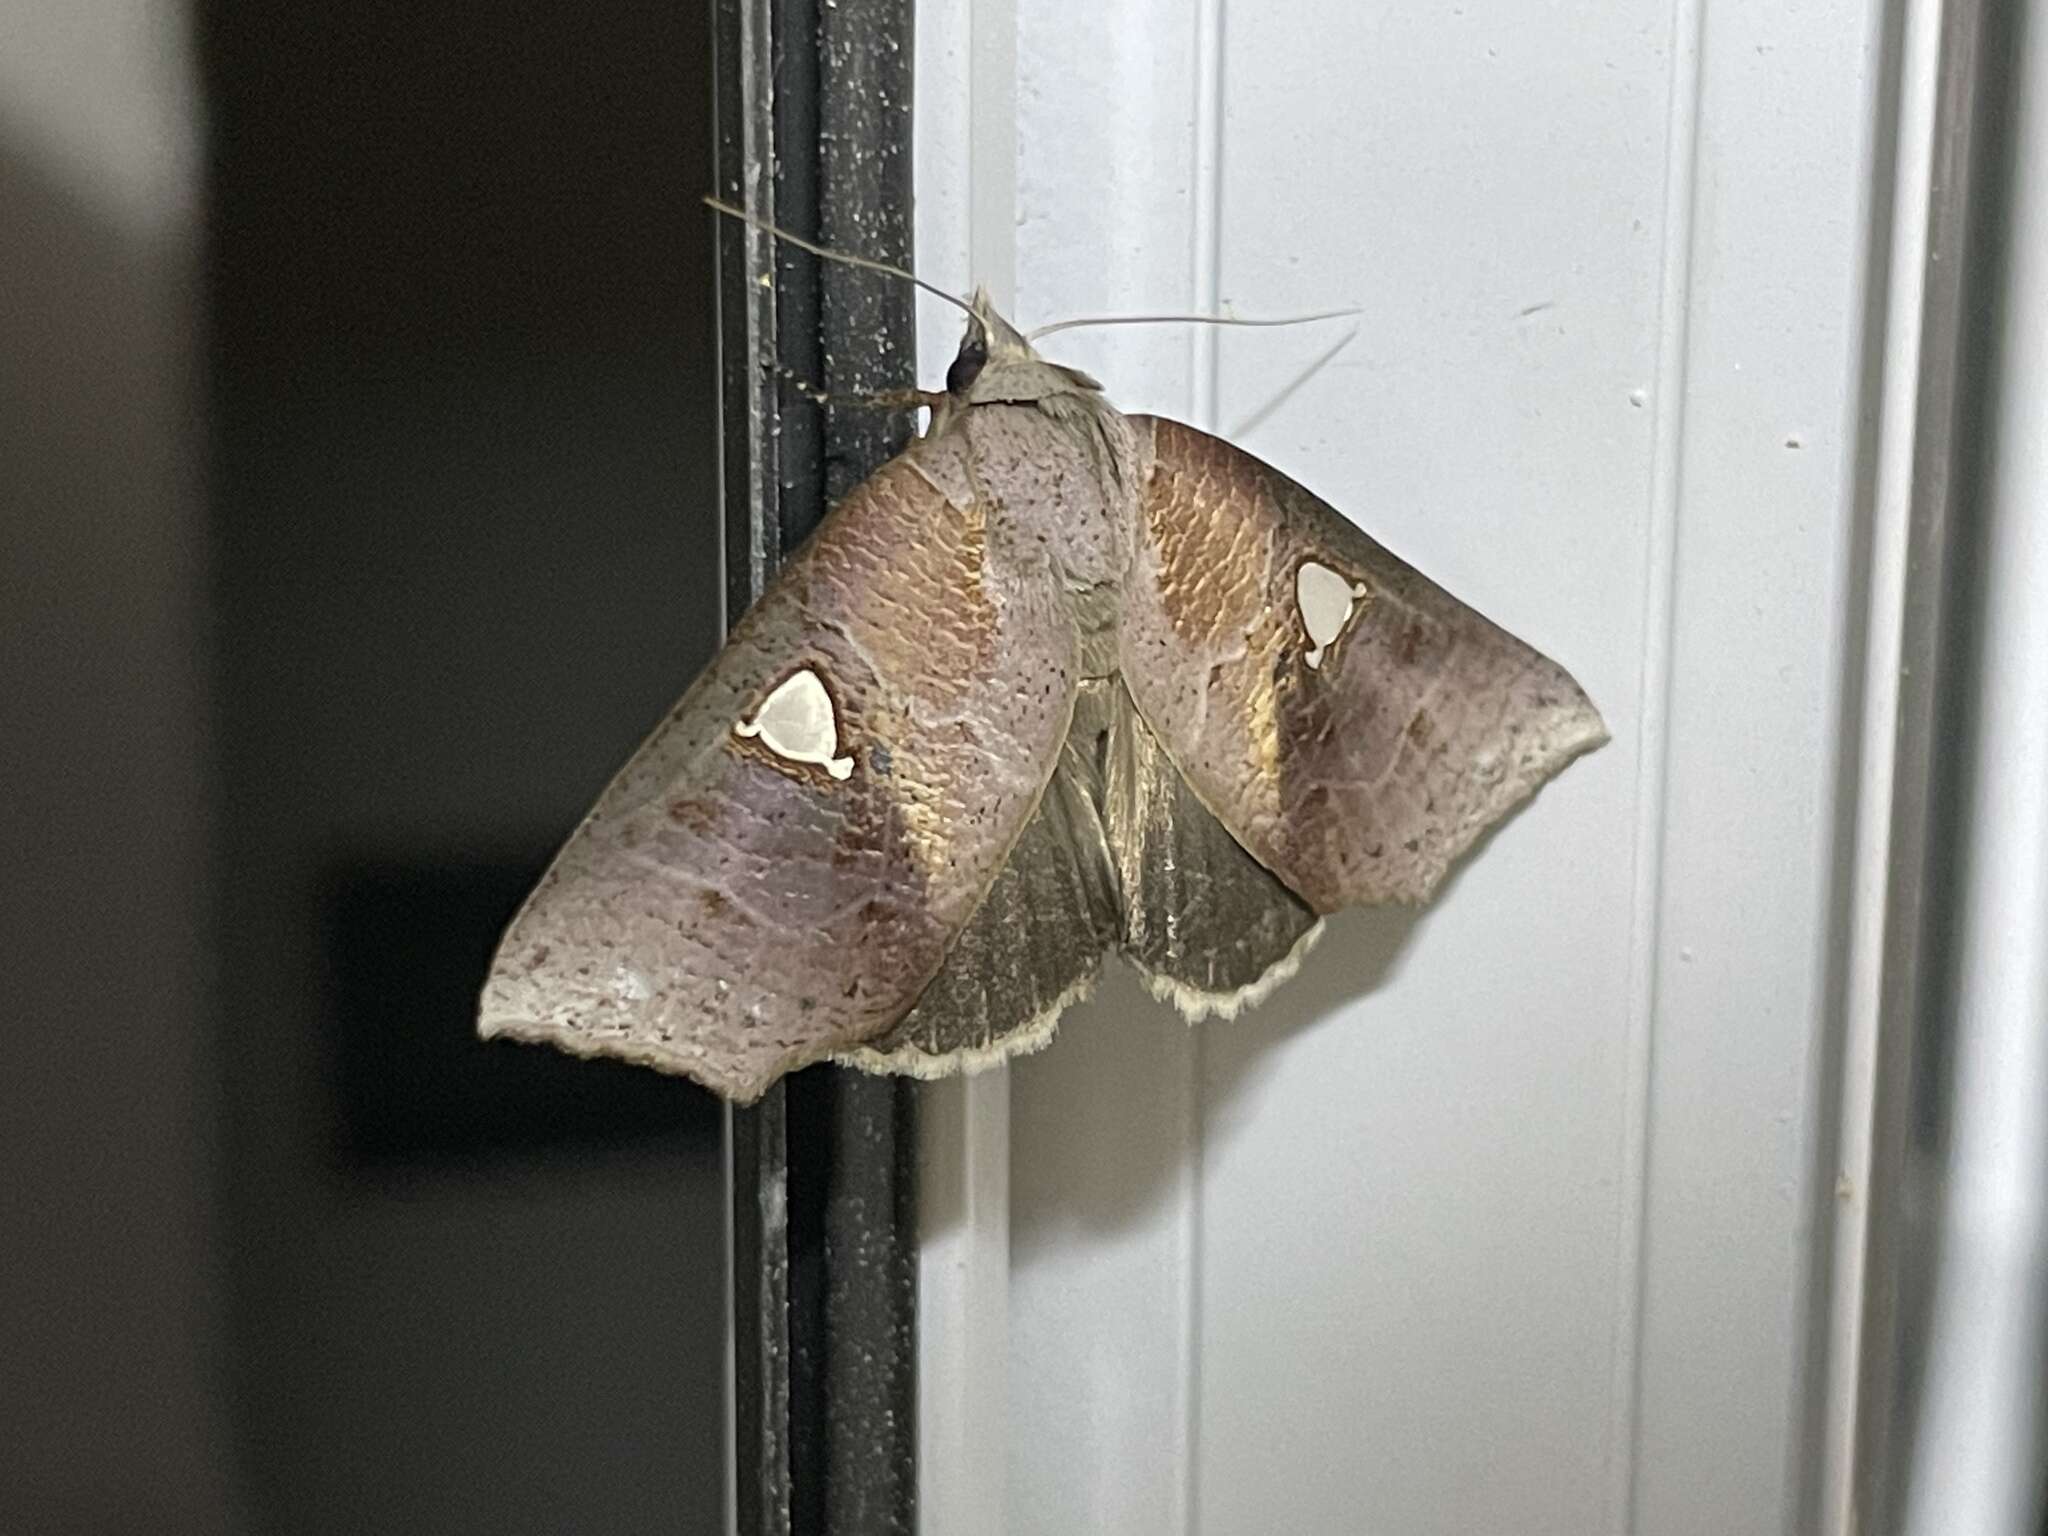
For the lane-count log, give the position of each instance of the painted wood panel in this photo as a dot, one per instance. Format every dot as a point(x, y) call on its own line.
point(1501, 1216)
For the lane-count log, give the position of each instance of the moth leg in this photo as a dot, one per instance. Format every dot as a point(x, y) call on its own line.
point(880, 400)
point(1033, 946)
point(1208, 927)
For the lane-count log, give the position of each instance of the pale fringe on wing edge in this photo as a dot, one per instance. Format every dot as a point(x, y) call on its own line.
point(909, 1061)
point(694, 1065)
point(1196, 1005)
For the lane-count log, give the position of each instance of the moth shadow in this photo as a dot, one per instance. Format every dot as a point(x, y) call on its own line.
point(1104, 1124)
point(1273, 402)
point(1361, 949)
point(1108, 1125)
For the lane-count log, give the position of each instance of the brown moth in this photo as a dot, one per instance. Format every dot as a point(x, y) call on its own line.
point(1055, 682)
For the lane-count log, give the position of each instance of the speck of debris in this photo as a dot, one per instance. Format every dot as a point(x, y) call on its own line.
point(1793, 442)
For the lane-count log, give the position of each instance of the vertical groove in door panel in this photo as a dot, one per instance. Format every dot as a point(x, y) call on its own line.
point(1653, 751)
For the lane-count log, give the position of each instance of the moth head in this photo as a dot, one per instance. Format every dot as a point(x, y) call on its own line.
point(968, 361)
point(995, 364)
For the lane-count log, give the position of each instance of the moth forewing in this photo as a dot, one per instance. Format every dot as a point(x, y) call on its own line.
point(1024, 700)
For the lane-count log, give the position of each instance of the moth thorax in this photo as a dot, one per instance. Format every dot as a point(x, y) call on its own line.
point(1053, 468)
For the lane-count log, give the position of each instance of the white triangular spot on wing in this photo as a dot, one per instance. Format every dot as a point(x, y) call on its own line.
point(1327, 601)
point(795, 722)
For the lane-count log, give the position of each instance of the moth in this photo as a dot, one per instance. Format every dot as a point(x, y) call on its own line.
point(1054, 683)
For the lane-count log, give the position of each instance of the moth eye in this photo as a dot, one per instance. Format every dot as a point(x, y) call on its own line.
point(1328, 602)
point(797, 724)
point(967, 365)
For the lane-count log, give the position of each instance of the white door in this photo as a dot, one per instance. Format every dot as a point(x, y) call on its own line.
point(1504, 1216)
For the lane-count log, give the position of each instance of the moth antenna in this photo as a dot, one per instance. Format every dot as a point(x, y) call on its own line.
point(865, 263)
point(1074, 325)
